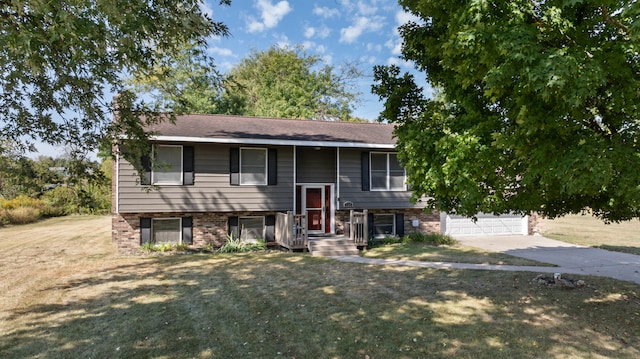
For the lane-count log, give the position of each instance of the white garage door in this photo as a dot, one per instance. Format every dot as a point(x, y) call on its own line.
point(487, 224)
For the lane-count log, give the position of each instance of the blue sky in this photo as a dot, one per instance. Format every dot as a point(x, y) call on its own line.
point(362, 32)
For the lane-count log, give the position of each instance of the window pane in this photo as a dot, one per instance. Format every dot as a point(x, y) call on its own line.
point(378, 179)
point(379, 162)
point(383, 224)
point(396, 173)
point(253, 168)
point(168, 165)
point(166, 231)
point(251, 228)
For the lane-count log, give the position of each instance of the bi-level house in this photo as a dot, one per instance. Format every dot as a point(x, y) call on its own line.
point(216, 175)
point(225, 174)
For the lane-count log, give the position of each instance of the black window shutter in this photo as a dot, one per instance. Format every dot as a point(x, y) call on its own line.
point(187, 230)
point(145, 179)
point(400, 225)
point(234, 166)
point(365, 171)
point(270, 228)
point(370, 225)
point(145, 230)
point(272, 174)
point(187, 165)
point(233, 227)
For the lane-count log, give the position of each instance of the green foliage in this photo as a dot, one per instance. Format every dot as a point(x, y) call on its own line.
point(164, 247)
point(537, 106)
point(379, 241)
point(60, 59)
point(434, 239)
point(236, 245)
point(288, 83)
point(187, 83)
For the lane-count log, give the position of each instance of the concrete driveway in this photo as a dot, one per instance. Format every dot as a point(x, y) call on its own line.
point(570, 258)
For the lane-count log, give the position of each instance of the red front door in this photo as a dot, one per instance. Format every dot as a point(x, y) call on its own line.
point(313, 206)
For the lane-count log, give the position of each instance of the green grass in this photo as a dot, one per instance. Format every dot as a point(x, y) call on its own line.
point(80, 300)
point(453, 253)
point(591, 232)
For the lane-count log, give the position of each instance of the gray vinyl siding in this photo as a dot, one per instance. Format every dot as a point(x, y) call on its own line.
point(212, 191)
point(351, 187)
point(316, 165)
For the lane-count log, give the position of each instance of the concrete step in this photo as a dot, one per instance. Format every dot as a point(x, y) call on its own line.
point(332, 247)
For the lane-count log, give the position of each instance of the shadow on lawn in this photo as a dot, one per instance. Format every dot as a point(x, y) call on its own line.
point(299, 306)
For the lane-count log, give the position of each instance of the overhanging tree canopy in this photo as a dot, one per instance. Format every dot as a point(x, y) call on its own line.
point(60, 59)
point(537, 106)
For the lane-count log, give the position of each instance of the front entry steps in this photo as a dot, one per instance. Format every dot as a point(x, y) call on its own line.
point(332, 246)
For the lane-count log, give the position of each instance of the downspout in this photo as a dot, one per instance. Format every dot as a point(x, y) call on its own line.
point(295, 185)
point(337, 206)
point(117, 182)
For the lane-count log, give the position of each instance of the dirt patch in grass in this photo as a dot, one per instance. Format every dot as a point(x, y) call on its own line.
point(591, 232)
point(70, 296)
point(454, 254)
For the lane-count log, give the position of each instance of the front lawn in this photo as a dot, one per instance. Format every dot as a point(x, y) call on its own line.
point(455, 253)
point(591, 232)
point(65, 294)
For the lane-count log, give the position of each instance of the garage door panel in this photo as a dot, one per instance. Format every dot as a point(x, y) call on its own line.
point(486, 224)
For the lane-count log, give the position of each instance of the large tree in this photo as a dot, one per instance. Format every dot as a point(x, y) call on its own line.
point(61, 61)
point(186, 83)
point(287, 82)
point(537, 106)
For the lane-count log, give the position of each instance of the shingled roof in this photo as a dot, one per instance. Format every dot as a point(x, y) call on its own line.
point(241, 129)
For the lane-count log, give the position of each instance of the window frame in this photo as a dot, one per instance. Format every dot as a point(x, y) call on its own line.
point(179, 231)
point(262, 237)
point(393, 226)
point(266, 166)
point(387, 174)
point(156, 167)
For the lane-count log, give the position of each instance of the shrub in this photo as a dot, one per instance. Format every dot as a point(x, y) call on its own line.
point(435, 239)
point(20, 201)
point(22, 215)
point(378, 241)
point(235, 245)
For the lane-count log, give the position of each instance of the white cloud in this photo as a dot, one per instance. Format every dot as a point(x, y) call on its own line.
point(206, 9)
point(270, 15)
point(368, 59)
point(374, 47)
point(399, 62)
point(361, 25)
point(326, 12)
point(309, 32)
point(282, 40)
point(323, 32)
point(308, 45)
point(366, 9)
point(403, 17)
point(395, 45)
point(220, 51)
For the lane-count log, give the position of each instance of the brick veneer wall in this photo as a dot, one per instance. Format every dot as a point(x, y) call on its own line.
point(428, 222)
point(208, 228)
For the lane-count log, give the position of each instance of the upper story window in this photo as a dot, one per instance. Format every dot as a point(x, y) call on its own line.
point(167, 166)
point(253, 166)
point(386, 172)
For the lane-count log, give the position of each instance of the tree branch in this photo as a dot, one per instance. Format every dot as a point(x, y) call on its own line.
point(614, 22)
